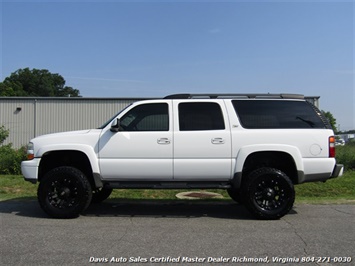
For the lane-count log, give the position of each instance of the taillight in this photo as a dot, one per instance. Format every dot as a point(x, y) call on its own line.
point(331, 147)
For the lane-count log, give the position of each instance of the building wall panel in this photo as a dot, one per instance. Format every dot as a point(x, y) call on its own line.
point(17, 116)
point(58, 115)
point(39, 116)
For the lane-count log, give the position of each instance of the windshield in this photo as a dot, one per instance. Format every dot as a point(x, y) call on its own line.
point(109, 121)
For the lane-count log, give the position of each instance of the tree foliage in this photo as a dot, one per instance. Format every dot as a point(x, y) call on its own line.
point(36, 82)
point(331, 119)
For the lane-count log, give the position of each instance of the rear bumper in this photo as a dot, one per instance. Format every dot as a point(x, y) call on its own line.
point(321, 169)
point(338, 170)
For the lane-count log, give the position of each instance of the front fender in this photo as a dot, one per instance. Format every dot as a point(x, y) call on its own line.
point(86, 149)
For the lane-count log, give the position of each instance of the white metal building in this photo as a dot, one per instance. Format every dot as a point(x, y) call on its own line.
point(28, 117)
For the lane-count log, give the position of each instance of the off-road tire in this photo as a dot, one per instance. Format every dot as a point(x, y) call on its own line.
point(268, 193)
point(64, 192)
point(100, 194)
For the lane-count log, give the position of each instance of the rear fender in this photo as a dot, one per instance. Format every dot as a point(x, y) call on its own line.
point(246, 151)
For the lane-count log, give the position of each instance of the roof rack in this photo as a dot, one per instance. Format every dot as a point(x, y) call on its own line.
point(234, 95)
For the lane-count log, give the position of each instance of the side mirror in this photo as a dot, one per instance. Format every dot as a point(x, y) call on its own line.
point(115, 125)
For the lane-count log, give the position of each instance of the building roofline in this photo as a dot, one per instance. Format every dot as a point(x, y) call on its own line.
point(77, 98)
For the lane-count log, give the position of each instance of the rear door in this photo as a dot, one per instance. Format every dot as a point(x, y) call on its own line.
point(202, 140)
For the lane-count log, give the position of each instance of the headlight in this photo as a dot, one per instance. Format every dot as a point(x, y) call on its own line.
point(30, 151)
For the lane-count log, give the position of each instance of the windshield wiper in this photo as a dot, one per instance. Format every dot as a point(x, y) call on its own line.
point(310, 123)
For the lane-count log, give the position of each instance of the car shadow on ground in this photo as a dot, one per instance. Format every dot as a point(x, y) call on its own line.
point(141, 208)
point(27, 207)
point(171, 208)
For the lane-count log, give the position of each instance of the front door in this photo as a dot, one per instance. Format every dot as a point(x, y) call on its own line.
point(142, 148)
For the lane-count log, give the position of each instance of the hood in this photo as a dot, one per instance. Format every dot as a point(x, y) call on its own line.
point(63, 134)
point(68, 139)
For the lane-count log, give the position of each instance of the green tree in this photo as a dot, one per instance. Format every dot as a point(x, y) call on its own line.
point(11, 90)
point(36, 82)
point(331, 119)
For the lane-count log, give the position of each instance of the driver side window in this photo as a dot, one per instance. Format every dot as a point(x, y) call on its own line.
point(147, 117)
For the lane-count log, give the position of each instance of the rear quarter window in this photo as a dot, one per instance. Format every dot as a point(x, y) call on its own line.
point(264, 114)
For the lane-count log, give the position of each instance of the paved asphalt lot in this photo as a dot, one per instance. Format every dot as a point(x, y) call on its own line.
point(163, 232)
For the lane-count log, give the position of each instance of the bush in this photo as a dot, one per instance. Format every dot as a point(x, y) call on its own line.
point(351, 142)
point(346, 155)
point(10, 159)
point(4, 133)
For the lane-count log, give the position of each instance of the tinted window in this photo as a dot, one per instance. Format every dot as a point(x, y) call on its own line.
point(278, 114)
point(147, 117)
point(200, 116)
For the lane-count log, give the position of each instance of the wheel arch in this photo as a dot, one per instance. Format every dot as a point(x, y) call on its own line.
point(79, 159)
point(275, 159)
point(285, 158)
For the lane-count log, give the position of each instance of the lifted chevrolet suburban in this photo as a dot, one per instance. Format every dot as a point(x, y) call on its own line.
point(256, 146)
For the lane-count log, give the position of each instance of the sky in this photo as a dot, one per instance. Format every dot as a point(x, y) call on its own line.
point(155, 48)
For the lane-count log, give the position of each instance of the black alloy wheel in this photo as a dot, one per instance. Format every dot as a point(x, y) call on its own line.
point(269, 193)
point(64, 192)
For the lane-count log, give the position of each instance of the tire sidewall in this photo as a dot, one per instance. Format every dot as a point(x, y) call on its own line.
point(250, 188)
point(80, 202)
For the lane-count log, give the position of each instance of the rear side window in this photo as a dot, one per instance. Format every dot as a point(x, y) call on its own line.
point(200, 116)
point(278, 114)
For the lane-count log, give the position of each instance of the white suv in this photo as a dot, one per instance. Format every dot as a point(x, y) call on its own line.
point(257, 146)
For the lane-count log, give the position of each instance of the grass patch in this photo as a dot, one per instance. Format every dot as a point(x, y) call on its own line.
point(346, 156)
point(335, 191)
point(14, 186)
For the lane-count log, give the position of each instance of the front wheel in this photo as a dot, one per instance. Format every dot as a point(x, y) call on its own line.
point(269, 193)
point(64, 192)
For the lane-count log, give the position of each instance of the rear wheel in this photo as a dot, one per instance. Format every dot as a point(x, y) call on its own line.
point(64, 192)
point(100, 194)
point(269, 193)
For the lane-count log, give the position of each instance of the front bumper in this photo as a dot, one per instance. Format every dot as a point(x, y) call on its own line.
point(29, 170)
point(338, 170)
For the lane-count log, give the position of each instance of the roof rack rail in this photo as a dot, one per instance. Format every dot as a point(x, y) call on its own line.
point(234, 95)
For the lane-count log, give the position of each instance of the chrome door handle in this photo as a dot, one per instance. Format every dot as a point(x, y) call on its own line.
point(163, 141)
point(217, 141)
